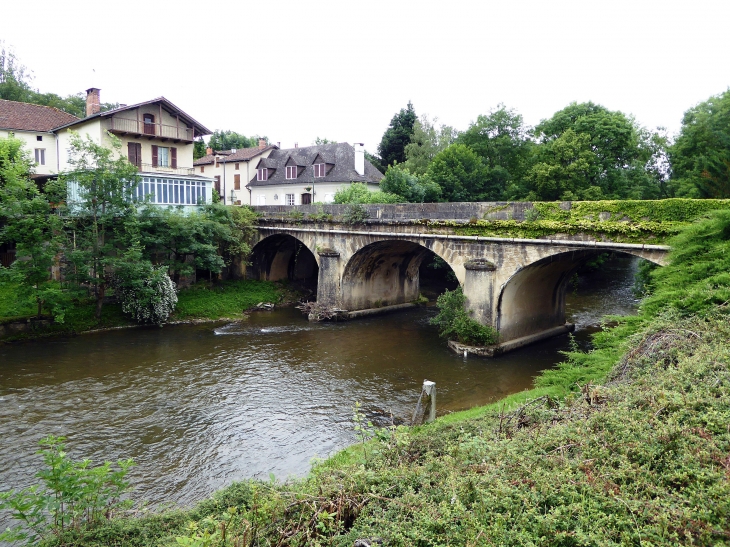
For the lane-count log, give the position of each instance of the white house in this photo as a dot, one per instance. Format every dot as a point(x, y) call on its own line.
point(298, 176)
point(232, 169)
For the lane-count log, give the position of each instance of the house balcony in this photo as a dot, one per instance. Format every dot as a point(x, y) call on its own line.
point(149, 168)
point(140, 129)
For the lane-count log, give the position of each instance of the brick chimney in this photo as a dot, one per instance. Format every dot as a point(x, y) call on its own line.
point(208, 151)
point(262, 144)
point(93, 101)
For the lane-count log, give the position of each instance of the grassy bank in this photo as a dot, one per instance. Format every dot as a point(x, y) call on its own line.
point(628, 444)
point(223, 300)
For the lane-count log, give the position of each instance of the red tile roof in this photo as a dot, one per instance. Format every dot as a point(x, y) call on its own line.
point(32, 117)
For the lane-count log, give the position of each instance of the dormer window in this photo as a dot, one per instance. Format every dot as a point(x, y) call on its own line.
point(262, 174)
point(319, 169)
point(291, 171)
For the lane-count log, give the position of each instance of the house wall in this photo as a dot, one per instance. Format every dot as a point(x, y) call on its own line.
point(227, 172)
point(91, 129)
point(30, 143)
point(324, 192)
point(184, 152)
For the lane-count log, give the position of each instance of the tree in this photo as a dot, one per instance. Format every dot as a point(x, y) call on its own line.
point(26, 220)
point(503, 142)
point(598, 153)
point(102, 216)
point(700, 156)
point(393, 144)
point(461, 174)
point(228, 140)
point(199, 147)
point(426, 141)
point(208, 239)
point(400, 181)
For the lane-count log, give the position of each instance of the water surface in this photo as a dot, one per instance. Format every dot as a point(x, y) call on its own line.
point(198, 407)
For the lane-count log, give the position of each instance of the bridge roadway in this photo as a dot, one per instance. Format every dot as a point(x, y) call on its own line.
point(515, 285)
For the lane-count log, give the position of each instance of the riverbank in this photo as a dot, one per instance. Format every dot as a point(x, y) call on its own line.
point(225, 300)
point(625, 444)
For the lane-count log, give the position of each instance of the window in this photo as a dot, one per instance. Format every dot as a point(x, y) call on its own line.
point(236, 167)
point(218, 184)
point(291, 171)
point(262, 174)
point(40, 156)
point(202, 168)
point(134, 154)
point(149, 124)
point(39, 137)
point(319, 169)
point(289, 199)
point(236, 182)
point(164, 191)
point(162, 156)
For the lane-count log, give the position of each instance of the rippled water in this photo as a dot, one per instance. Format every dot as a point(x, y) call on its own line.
point(200, 406)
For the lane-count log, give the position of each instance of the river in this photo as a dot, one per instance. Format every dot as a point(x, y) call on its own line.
point(198, 407)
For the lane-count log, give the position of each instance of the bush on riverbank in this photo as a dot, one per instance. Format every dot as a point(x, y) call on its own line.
point(224, 300)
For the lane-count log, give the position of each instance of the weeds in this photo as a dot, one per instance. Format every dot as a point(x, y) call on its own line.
point(72, 495)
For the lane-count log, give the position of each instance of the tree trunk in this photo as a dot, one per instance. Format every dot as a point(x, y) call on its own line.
point(101, 289)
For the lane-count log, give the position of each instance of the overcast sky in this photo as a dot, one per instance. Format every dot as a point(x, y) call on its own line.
point(295, 70)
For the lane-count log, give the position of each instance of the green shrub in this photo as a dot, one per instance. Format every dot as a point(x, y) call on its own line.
point(454, 321)
point(71, 496)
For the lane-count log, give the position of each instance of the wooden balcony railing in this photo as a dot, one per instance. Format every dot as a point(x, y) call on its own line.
point(124, 126)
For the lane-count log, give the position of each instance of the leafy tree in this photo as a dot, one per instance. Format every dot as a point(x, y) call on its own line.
point(101, 213)
point(461, 174)
point(700, 156)
point(589, 152)
point(503, 142)
point(199, 147)
point(146, 292)
point(320, 141)
point(427, 140)
point(209, 239)
point(227, 140)
point(27, 222)
point(400, 181)
point(392, 146)
point(358, 192)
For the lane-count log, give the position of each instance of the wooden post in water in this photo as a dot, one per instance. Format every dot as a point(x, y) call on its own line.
point(429, 388)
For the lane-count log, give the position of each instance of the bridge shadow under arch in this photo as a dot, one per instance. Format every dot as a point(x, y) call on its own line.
point(533, 299)
point(389, 272)
point(284, 257)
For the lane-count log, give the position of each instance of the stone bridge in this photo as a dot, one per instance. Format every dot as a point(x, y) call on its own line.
point(516, 285)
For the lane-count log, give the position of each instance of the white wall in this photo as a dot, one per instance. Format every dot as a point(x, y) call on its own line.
point(31, 143)
point(323, 192)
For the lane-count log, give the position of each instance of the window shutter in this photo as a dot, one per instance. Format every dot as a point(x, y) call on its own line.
point(154, 155)
point(132, 153)
point(236, 182)
point(173, 158)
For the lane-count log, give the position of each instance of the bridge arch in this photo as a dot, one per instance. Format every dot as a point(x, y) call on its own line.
point(532, 300)
point(383, 273)
point(282, 256)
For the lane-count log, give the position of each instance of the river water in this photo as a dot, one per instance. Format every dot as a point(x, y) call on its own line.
point(198, 407)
